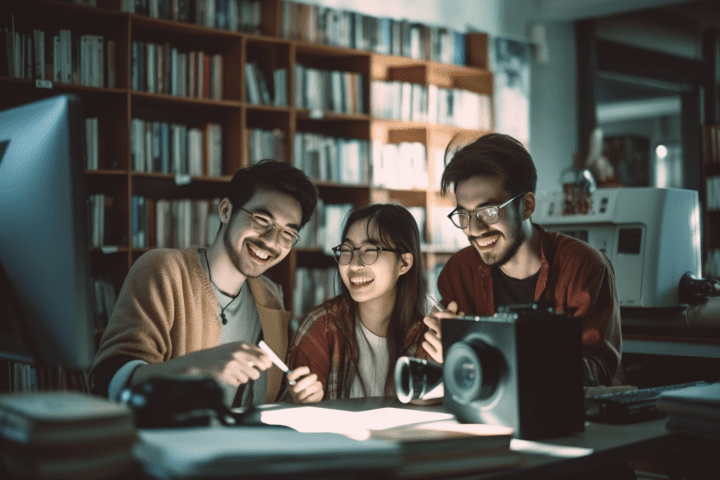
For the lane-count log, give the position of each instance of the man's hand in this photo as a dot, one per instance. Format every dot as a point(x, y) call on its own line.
point(433, 342)
point(307, 388)
point(233, 363)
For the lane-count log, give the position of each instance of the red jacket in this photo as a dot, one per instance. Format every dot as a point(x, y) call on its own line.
point(578, 278)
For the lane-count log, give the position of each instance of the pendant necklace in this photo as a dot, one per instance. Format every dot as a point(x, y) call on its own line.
point(222, 309)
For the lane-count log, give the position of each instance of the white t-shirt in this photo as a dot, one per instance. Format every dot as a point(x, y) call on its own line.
point(372, 363)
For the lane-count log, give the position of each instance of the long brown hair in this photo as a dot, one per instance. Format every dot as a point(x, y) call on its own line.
point(398, 229)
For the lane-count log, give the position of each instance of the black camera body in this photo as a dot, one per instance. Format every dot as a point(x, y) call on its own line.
point(520, 368)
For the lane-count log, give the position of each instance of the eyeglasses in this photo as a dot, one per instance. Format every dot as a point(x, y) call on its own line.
point(262, 225)
point(486, 215)
point(368, 254)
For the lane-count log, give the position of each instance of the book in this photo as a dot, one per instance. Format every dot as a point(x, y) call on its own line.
point(446, 447)
point(699, 401)
point(259, 451)
point(52, 419)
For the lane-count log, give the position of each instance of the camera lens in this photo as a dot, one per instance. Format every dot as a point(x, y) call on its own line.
point(471, 370)
point(416, 378)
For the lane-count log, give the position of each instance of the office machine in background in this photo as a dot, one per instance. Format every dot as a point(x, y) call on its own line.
point(651, 236)
point(45, 295)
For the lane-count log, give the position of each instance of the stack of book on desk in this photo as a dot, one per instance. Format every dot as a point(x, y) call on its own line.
point(65, 436)
point(447, 447)
point(219, 452)
point(693, 411)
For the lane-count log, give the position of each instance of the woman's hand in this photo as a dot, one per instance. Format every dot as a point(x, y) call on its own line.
point(307, 388)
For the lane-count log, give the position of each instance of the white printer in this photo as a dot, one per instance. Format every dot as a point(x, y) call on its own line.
point(651, 236)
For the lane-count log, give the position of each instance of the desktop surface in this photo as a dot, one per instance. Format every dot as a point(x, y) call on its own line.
point(599, 445)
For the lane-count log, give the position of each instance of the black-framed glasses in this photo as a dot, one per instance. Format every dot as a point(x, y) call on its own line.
point(486, 215)
point(262, 225)
point(368, 254)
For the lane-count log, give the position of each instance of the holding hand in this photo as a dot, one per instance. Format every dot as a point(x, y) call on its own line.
point(433, 342)
point(233, 363)
point(307, 388)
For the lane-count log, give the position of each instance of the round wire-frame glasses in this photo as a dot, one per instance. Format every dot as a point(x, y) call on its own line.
point(487, 215)
point(262, 225)
point(368, 255)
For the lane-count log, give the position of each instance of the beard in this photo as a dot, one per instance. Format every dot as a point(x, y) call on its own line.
point(516, 236)
point(244, 266)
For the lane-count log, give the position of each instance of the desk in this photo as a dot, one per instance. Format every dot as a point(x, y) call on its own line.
point(599, 445)
point(667, 332)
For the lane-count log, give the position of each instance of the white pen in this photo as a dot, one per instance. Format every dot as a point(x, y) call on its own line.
point(275, 359)
point(437, 303)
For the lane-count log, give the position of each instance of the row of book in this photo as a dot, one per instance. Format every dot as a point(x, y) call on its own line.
point(59, 56)
point(711, 143)
point(264, 144)
point(17, 377)
point(414, 102)
point(712, 193)
point(165, 147)
point(342, 28)
point(92, 143)
point(258, 88)
point(165, 223)
point(105, 297)
point(101, 208)
point(234, 15)
point(163, 68)
point(326, 224)
point(399, 166)
point(313, 286)
point(328, 91)
point(331, 159)
point(22, 377)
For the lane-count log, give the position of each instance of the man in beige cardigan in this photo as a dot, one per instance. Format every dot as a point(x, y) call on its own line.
point(202, 311)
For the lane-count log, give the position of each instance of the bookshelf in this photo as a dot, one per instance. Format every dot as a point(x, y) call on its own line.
point(179, 109)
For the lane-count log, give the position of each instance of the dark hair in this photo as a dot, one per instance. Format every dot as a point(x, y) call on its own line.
point(494, 154)
point(398, 229)
point(273, 175)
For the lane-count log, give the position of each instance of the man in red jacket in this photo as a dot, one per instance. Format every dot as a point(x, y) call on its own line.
point(511, 260)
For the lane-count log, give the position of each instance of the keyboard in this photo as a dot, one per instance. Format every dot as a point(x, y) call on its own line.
point(629, 406)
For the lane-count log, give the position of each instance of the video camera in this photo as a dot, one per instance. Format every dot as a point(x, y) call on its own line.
point(520, 368)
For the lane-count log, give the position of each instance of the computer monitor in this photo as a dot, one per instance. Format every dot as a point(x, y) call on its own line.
point(46, 302)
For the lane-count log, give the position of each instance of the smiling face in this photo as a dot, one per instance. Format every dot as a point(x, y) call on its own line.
point(376, 282)
point(253, 253)
point(497, 243)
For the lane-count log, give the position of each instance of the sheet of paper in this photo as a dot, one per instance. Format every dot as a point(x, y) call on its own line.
point(354, 424)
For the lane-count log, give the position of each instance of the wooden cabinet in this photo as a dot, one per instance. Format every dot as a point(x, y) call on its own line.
point(167, 85)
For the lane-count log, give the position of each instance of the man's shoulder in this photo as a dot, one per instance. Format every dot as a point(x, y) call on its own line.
point(164, 259)
point(267, 285)
point(465, 256)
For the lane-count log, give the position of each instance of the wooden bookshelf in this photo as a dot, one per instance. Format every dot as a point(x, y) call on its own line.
point(118, 105)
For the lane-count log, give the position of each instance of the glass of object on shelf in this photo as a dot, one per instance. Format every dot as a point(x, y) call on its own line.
point(578, 186)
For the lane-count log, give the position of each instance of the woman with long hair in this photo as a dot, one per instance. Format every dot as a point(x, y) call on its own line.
point(350, 343)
